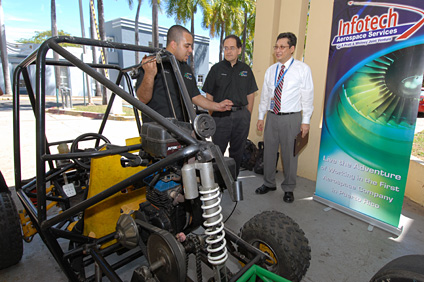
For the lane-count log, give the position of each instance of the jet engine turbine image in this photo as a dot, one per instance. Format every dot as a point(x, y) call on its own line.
point(372, 117)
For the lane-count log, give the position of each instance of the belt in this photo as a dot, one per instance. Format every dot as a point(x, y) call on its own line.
point(283, 114)
point(235, 109)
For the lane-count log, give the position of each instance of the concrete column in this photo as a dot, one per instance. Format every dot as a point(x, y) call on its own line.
point(274, 17)
point(316, 56)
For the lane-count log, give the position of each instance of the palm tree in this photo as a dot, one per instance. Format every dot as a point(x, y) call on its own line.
point(184, 10)
point(55, 55)
point(249, 7)
point(102, 33)
point(136, 39)
point(93, 36)
point(3, 51)
point(249, 52)
point(84, 50)
point(225, 18)
point(155, 24)
point(156, 5)
point(41, 36)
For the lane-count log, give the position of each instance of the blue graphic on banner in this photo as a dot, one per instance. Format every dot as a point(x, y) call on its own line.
point(375, 73)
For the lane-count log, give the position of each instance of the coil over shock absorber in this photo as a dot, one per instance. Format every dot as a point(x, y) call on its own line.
point(209, 190)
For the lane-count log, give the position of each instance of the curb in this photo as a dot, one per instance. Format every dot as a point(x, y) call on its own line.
point(49, 98)
point(89, 114)
point(8, 97)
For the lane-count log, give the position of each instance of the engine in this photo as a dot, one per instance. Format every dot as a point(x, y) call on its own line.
point(166, 206)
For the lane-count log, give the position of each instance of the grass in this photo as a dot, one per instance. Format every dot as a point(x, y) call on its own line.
point(127, 111)
point(418, 146)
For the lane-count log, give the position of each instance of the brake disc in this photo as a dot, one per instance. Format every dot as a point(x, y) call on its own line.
point(167, 257)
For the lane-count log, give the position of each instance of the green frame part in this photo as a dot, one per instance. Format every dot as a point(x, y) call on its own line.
point(258, 272)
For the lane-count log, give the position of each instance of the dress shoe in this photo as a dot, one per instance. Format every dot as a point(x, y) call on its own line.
point(264, 189)
point(288, 197)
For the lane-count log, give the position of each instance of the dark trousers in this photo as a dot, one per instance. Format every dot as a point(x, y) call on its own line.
point(233, 128)
point(281, 131)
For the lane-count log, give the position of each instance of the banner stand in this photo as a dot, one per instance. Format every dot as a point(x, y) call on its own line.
point(374, 222)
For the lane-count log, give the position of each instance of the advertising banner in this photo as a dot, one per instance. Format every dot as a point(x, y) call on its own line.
point(374, 79)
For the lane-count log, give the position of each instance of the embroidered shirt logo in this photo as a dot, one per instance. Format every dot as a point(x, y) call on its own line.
point(188, 75)
point(243, 73)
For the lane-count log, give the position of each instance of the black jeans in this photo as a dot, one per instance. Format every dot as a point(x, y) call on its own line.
point(233, 128)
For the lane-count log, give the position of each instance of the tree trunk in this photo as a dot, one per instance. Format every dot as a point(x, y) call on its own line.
point(93, 36)
point(87, 77)
point(137, 55)
point(100, 11)
point(4, 58)
point(155, 26)
point(243, 50)
point(192, 34)
point(220, 42)
point(55, 55)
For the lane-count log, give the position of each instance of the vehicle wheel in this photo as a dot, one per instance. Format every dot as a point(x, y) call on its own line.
point(280, 237)
point(403, 269)
point(11, 247)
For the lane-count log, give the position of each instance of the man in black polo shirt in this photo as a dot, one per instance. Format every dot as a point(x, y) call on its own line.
point(151, 87)
point(233, 80)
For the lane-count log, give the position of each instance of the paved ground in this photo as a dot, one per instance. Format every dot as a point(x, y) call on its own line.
point(342, 247)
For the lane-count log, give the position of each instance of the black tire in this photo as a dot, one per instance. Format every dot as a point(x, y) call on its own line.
point(403, 269)
point(281, 237)
point(11, 246)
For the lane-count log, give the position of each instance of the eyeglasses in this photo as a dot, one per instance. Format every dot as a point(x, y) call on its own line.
point(232, 48)
point(280, 47)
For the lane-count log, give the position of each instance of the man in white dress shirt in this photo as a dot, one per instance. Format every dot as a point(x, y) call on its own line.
point(287, 101)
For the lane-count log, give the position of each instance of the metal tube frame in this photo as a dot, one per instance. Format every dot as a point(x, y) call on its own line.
point(50, 228)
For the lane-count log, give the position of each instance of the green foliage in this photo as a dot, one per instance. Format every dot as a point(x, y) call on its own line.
point(418, 145)
point(248, 59)
point(41, 36)
point(184, 10)
point(228, 17)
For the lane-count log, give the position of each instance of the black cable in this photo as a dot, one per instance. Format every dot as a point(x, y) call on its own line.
point(235, 205)
point(167, 90)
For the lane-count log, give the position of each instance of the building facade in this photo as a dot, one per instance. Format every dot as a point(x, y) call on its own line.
point(118, 30)
point(123, 30)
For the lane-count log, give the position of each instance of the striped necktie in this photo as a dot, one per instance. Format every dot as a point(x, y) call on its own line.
point(277, 92)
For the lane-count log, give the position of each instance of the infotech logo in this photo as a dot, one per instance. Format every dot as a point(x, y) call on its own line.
point(365, 29)
point(357, 25)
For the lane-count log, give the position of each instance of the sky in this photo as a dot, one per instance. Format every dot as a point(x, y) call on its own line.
point(22, 18)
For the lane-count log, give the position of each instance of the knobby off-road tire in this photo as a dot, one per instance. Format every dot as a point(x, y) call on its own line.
point(278, 235)
point(11, 246)
point(403, 269)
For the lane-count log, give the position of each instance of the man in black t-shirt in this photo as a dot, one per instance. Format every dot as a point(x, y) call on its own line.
point(151, 87)
point(233, 80)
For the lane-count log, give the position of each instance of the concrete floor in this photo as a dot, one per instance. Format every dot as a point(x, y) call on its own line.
point(342, 248)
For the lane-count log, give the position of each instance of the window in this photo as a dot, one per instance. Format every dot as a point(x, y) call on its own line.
point(200, 80)
point(111, 39)
point(64, 81)
point(151, 44)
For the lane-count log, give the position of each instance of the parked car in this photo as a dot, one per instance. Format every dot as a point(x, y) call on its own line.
point(421, 104)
